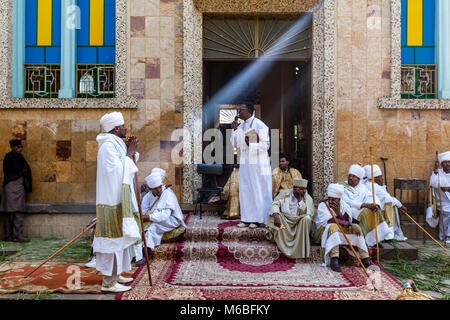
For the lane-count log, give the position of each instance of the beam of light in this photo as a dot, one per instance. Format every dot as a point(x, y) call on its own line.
point(255, 72)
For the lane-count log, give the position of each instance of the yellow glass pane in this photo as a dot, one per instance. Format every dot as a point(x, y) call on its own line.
point(96, 18)
point(44, 22)
point(415, 23)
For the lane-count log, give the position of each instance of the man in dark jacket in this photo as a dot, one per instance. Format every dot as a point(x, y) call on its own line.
point(17, 182)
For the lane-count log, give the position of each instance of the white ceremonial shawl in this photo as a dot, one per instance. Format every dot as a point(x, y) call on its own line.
point(255, 174)
point(382, 195)
point(166, 207)
point(114, 171)
point(444, 181)
point(354, 197)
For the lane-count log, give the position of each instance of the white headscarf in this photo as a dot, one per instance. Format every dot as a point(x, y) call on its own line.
point(335, 190)
point(161, 172)
point(356, 170)
point(445, 156)
point(366, 170)
point(153, 180)
point(376, 172)
point(111, 120)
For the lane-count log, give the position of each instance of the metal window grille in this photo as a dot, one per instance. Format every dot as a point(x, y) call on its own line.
point(95, 81)
point(42, 80)
point(419, 81)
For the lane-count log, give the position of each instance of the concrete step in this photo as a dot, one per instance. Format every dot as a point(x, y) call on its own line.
point(396, 249)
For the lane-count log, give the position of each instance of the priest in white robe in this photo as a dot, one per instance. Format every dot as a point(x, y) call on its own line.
point(360, 201)
point(116, 205)
point(441, 178)
point(389, 204)
point(328, 233)
point(255, 175)
point(162, 213)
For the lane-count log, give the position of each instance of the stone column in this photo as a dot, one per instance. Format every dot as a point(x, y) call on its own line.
point(19, 48)
point(443, 48)
point(69, 22)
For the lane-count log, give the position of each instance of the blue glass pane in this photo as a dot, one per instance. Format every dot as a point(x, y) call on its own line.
point(424, 55)
point(428, 22)
point(30, 22)
point(408, 55)
point(83, 32)
point(56, 23)
point(110, 23)
point(106, 55)
point(34, 55)
point(403, 23)
point(53, 55)
point(87, 55)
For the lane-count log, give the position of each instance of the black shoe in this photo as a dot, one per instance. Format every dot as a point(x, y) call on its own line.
point(366, 262)
point(141, 263)
point(334, 265)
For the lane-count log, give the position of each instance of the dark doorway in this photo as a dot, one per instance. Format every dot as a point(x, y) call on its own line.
point(282, 97)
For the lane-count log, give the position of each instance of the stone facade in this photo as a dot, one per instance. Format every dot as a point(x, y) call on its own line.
point(353, 54)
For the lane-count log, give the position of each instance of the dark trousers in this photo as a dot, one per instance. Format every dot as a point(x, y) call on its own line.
point(14, 225)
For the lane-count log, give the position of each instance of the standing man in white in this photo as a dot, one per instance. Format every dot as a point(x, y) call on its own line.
point(255, 174)
point(116, 230)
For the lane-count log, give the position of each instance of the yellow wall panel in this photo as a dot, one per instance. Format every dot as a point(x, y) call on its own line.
point(415, 23)
point(96, 22)
point(44, 23)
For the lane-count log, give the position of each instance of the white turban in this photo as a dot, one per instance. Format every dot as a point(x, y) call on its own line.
point(366, 170)
point(444, 156)
point(153, 180)
point(335, 190)
point(161, 172)
point(111, 120)
point(356, 170)
point(376, 172)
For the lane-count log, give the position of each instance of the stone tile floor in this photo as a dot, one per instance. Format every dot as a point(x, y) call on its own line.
point(40, 249)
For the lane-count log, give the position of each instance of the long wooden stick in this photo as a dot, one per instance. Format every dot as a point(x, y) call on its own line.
point(406, 213)
point(138, 196)
point(375, 212)
point(440, 202)
point(62, 248)
point(348, 241)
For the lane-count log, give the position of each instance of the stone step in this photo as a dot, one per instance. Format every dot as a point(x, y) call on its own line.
point(411, 231)
point(397, 249)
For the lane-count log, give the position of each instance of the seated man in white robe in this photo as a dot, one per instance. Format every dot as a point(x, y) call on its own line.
point(442, 196)
point(389, 204)
point(290, 220)
point(162, 213)
point(328, 233)
point(361, 203)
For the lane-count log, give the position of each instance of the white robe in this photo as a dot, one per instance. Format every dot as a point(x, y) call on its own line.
point(114, 169)
point(444, 181)
point(166, 215)
point(255, 174)
point(337, 238)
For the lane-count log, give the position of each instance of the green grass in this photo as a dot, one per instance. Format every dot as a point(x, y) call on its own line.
point(429, 272)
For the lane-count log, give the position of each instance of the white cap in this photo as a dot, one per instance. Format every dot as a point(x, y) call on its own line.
point(445, 156)
point(298, 182)
point(366, 171)
point(111, 120)
point(153, 180)
point(162, 173)
point(335, 190)
point(376, 172)
point(356, 170)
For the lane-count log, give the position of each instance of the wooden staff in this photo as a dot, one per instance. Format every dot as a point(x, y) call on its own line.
point(440, 201)
point(406, 213)
point(375, 212)
point(63, 247)
point(348, 241)
point(138, 196)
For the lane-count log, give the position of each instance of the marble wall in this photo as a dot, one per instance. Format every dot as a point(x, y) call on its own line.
point(408, 138)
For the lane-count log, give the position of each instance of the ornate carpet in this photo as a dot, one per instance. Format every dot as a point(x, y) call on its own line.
point(51, 277)
point(214, 259)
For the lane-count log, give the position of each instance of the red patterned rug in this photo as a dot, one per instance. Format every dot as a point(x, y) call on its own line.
point(52, 277)
point(215, 260)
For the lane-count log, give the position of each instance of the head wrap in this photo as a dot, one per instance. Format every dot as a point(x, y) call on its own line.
point(444, 157)
point(335, 190)
point(302, 183)
point(356, 170)
point(376, 172)
point(153, 180)
point(161, 172)
point(366, 170)
point(14, 143)
point(111, 120)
